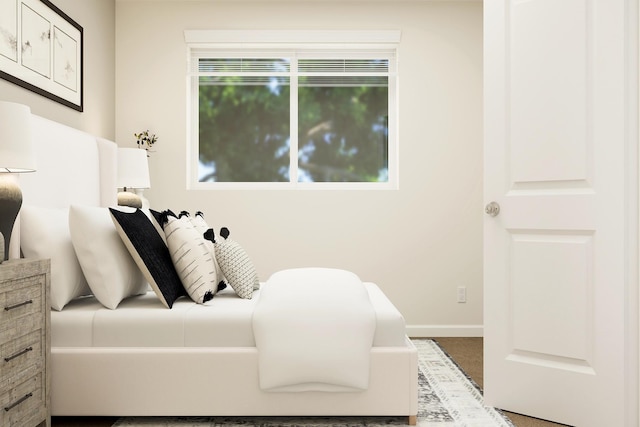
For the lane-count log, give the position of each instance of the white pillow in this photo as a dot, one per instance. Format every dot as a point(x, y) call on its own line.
point(192, 259)
point(44, 233)
point(110, 270)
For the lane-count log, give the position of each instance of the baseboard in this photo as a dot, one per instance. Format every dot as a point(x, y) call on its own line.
point(427, 331)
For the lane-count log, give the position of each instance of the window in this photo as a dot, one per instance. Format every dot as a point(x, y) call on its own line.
point(309, 115)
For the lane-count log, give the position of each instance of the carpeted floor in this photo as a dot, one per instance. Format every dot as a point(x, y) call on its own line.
point(467, 353)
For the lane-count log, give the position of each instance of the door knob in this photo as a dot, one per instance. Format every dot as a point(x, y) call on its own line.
point(492, 208)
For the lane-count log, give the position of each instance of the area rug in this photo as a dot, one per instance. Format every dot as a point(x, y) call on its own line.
point(447, 397)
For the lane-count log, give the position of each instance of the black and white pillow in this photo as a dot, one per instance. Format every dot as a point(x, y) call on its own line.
point(191, 258)
point(156, 219)
point(201, 225)
point(150, 254)
point(199, 222)
point(235, 264)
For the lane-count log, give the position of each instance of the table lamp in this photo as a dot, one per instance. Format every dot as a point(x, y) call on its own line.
point(133, 173)
point(16, 156)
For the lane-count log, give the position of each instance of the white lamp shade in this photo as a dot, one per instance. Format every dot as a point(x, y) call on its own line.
point(16, 145)
point(133, 168)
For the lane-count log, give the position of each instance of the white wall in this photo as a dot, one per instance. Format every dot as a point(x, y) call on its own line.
point(418, 243)
point(97, 17)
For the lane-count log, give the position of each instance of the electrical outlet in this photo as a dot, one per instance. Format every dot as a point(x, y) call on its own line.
point(462, 294)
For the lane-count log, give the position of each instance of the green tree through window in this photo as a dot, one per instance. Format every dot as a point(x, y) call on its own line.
point(244, 133)
point(339, 131)
point(342, 134)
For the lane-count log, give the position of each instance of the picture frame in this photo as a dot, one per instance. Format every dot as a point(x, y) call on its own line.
point(41, 49)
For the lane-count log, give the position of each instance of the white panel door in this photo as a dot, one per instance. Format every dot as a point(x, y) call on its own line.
point(557, 274)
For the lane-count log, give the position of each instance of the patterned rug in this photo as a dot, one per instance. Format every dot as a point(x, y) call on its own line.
point(447, 397)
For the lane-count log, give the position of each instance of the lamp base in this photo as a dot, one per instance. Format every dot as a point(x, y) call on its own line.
point(144, 200)
point(132, 200)
point(10, 203)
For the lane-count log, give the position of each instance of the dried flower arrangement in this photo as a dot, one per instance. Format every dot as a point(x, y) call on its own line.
point(145, 140)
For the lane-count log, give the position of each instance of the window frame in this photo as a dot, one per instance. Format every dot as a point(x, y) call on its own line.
point(239, 43)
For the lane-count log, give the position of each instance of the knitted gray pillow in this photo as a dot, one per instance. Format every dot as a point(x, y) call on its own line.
point(235, 264)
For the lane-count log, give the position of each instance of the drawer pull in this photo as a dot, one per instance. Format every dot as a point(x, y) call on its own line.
point(11, 307)
point(18, 354)
point(17, 402)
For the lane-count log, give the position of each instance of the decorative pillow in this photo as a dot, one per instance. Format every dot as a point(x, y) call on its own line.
point(44, 233)
point(191, 258)
point(150, 253)
point(199, 223)
point(155, 218)
point(201, 226)
point(235, 264)
point(110, 270)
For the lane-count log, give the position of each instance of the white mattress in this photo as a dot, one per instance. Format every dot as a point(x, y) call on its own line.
point(225, 321)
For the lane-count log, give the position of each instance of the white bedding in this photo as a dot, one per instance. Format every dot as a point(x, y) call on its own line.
point(194, 360)
point(314, 331)
point(225, 321)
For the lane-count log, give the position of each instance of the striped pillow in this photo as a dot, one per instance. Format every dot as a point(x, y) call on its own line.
point(201, 226)
point(192, 259)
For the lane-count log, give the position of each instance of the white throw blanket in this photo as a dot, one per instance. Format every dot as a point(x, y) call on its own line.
point(314, 330)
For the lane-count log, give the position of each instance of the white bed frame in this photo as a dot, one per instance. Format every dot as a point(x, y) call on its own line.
point(77, 168)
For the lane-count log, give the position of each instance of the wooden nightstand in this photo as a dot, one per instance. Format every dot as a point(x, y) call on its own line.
point(24, 343)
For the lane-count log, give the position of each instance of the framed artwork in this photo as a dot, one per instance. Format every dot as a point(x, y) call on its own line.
point(41, 50)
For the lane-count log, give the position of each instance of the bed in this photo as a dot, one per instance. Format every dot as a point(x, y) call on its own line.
point(141, 358)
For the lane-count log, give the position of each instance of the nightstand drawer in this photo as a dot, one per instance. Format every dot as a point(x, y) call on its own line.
point(23, 403)
point(21, 298)
point(25, 369)
point(20, 354)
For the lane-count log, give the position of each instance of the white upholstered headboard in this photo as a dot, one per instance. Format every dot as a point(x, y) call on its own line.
point(73, 167)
